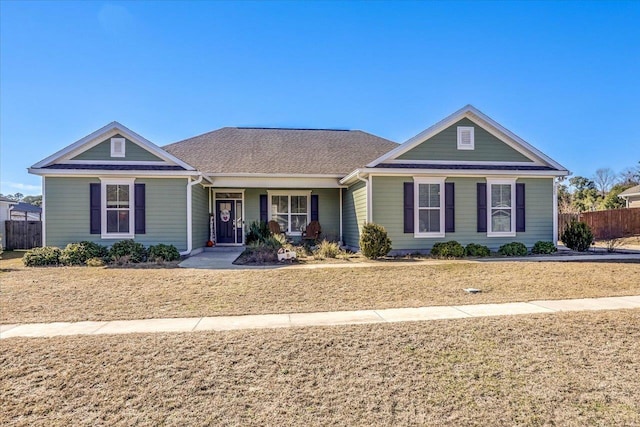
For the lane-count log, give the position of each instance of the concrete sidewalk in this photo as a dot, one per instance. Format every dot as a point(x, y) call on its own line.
point(260, 321)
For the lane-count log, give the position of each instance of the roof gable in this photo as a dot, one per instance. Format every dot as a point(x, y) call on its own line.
point(91, 149)
point(514, 148)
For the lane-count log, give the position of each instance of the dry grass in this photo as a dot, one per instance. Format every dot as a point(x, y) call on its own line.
point(570, 369)
point(81, 293)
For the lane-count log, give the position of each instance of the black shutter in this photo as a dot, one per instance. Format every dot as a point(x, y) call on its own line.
point(449, 207)
point(95, 223)
point(520, 225)
point(482, 207)
point(314, 207)
point(263, 208)
point(408, 207)
point(140, 209)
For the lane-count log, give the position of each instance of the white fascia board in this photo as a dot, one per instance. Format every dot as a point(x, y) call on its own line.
point(477, 117)
point(353, 176)
point(236, 181)
point(97, 172)
point(103, 133)
point(461, 172)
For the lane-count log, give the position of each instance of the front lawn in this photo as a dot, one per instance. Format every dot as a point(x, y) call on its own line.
point(570, 369)
point(82, 293)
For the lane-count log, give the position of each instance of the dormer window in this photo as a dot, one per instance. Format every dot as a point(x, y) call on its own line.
point(465, 138)
point(117, 147)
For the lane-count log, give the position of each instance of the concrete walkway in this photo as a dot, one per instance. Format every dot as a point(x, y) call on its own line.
point(227, 323)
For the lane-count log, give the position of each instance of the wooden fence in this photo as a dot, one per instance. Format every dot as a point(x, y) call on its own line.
point(606, 224)
point(23, 234)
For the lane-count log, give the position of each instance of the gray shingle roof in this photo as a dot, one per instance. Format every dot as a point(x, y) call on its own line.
point(629, 191)
point(285, 151)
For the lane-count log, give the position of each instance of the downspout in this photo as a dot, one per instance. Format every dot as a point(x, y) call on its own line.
point(190, 185)
point(367, 186)
point(555, 213)
point(341, 240)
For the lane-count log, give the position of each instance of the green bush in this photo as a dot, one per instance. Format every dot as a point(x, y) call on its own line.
point(327, 249)
point(39, 257)
point(258, 232)
point(450, 249)
point(577, 236)
point(513, 249)
point(473, 249)
point(541, 247)
point(162, 252)
point(128, 250)
point(78, 253)
point(374, 241)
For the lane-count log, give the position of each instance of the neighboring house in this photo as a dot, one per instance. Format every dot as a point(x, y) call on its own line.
point(25, 212)
point(631, 196)
point(5, 206)
point(466, 178)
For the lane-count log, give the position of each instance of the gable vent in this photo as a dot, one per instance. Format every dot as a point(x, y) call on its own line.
point(117, 147)
point(465, 138)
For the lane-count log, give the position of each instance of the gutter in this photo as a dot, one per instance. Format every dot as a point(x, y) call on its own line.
point(190, 185)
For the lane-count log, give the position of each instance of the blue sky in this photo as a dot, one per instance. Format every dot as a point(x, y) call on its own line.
point(564, 76)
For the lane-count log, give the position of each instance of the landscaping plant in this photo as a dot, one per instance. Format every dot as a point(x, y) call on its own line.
point(476, 250)
point(78, 253)
point(41, 257)
point(162, 252)
point(541, 247)
point(258, 231)
point(513, 249)
point(126, 251)
point(450, 249)
point(374, 241)
point(577, 236)
point(327, 249)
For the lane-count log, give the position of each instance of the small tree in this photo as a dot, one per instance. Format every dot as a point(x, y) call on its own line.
point(577, 236)
point(374, 241)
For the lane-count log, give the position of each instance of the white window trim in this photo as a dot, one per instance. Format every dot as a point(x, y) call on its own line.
point(416, 209)
point(289, 194)
point(462, 146)
point(103, 207)
point(123, 144)
point(512, 183)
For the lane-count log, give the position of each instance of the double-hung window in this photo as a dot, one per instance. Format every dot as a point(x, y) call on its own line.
point(501, 195)
point(429, 207)
point(117, 208)
point(291, 210)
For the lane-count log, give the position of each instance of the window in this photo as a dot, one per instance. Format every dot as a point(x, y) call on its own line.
point(291, 210)
point(501, 197)
point(117, 208)
point(117, 147)
point(429, 207)
point(465, 138)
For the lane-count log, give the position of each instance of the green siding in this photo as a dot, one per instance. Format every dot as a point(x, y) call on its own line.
point(444, 146)
point(354, 203)
point(328, 208)
point(133, 153)
point(388, 211)
point(200, 216)
point(67, 212)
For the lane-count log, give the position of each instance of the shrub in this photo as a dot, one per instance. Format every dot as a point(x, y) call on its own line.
point(577, 236)
point(78, 253)
point(327, 249)
point(132, 251)
point(541, 247)
point(374, 241)
point(95, 262)
point(162, 252)
point(450, 249)
point(513, 249)
point(39, 257)
point(473, 249)
point(258, 232)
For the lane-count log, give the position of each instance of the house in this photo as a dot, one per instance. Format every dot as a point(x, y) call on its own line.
point(22, 211)
point(631, 196)
point(466, 178)
point(5, 207)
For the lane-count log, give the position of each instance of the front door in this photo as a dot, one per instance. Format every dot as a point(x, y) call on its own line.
point(225, 221)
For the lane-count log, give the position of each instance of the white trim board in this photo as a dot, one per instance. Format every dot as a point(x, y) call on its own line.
point(107, 132)
point(480, 119)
